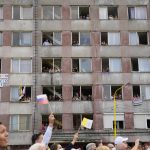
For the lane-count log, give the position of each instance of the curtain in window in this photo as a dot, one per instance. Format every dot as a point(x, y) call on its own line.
point(57, 12)
point(115, 65)
point(47, 12)
point(14, 123)
point(25, 39)
point(85, 65)
point(84, 38)
point(113, 38)
point(74, 11)
point(131, 12)
point(15, 66)
point(25, 66)
point(1, 39)
point(147, 92)
point(144, 64)
point(24, 122)
point(26, 13)
point(103, 13)
point(14, 94)
point(1, 12)
point(140, 13)
point(133, 38)
point(57, 38)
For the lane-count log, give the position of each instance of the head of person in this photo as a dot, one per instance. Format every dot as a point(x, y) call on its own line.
point(121, 143)
point(110, 146)
point(3, 136)
point(56, 146)
point(91, 146)
point(102, 148)
point(38, 146)
point(37, 138)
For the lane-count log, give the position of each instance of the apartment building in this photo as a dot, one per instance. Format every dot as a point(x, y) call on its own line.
point(79, 53)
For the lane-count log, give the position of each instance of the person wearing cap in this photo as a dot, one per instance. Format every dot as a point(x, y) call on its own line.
point(121, 143)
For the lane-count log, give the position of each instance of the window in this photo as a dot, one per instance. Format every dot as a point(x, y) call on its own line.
point(80, 12)
point(111, 65)
point(54, 93)
point(148, 123)
point(20, 94)
point(110, 38)
point(22, 39)
point(146, 92)
point(21, 65)
point(51, 38)
point(0, 66)
point(118, 95)
point(22, 12)
point(119, 124)
point(77, 119)
point(80, 38)
point(110, 12)
point(82, 93)
point(139, 12)
point(57, 123)
point(20, 122)
point(138, 38)
point(1, 39)
point(140, 64)
point(136, 92)
point(1, 12)
point(82, 65)
point(51, 12)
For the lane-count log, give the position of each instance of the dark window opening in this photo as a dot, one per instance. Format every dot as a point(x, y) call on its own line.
point(136, 91)
point(148, 123)
point(47, 39)
point(112, 13)
point(75, 65)
point(143, 38)
point(76, 93)
point(119, 124)
point(53, 93)
point(105, 65)
point(25, 94)
point(84, 12)
point(75, 38)
point(118, 94)
point(134, 63)
point(86, 93)
point(104, 38)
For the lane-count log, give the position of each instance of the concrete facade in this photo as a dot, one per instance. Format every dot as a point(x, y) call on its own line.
point(98, 107)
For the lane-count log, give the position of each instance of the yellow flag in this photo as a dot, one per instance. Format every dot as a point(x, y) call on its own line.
point(87, 123)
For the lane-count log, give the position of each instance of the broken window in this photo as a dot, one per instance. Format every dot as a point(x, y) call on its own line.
point(119, 124)
point(110, 12)
point(137, 38)
point(80, 12)
point(20, 94)
point(118, 95)
point(51, 12)
point(51, 38)
point(148, 123)
point(51, 65)
point(22, 12)
point(77, 119)
point(136, 92)
point(54, 93)
point(81, 65)
point(82, 93)
point(139, 12)
point(57, 123)
point(1, 12)
point(22, 39)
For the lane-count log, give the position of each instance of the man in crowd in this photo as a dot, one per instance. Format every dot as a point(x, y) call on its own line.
point(91, 146)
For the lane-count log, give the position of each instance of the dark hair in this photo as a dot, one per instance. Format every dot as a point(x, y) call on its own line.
point(0, 122)
point(35, 137)
point(54, 146)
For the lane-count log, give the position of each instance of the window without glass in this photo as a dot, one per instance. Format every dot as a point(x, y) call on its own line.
point(57, 124)
point(20, 94)
point(111, 65)
point(51, 65)
point(110, 12)
point(77, 119)
point(82, 93)
point(110, 38)
point(22, 39)
point(21, 65)
point(20, 122)
point(148, 123)
point(139, 12)
point(1, 12)
point(137, 38)
point(80, 12)
point(118, 94)
point(136, 91)
point(80, 38)
point(22, 12)
point(81, 65)
point(51, 38)
point(51, 12)
point(119, 124)
point(54, 93)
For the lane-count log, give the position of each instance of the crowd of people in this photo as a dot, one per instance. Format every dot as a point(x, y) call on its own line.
point(40, 141)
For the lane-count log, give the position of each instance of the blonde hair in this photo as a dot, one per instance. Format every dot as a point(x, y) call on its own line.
point(102, 148)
